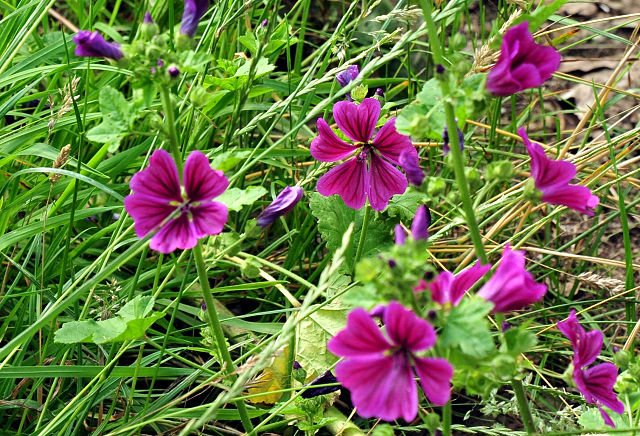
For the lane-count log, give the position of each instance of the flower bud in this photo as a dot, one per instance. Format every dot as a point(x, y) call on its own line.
point(411, 167)
point(499, 170)
point(283, 204)
point(198, 96)
point(148, 28)
point(173, 71)
point(193, 12)
point(436, 186)
point(400, 235)
point(93, 45)
point(530, 191)
point(359, 93)
point(457, 42)
point(421, 223)
point(445, 140)
point(264, 23)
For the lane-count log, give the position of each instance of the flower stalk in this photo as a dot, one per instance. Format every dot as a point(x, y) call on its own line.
point(363, 234)
point(458, 163)
point(174, 142)
point(523, 405)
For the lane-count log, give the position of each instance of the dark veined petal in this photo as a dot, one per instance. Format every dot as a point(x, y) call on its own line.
point(147, 212)
point(600, 380)
point(360, 338)
point(201, 182)
point(411, 166)
point(441, 288)
point(385, 181)
point(421, 223)
point(177, 233)
point(407, 330)
point(392, 144)
point(350, 180)
point(327, 147)
point(357, 121)
point(209, 218)
point(435, 378)
point(160, 179)
point(586, 346)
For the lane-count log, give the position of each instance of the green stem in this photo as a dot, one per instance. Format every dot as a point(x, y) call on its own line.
point(446, 419)
point(216, 329)
point(363, 234)
point(458, 162)
point(523, 405)
point(170, 124)
point(341, 424)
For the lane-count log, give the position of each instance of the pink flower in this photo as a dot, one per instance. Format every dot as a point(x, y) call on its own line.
point(378, 367)
point(552, 177)
point(595, 383)
point(157, 195)
point(512, 287)
point(449, 289)
point(353, 180)
point(282, 205)
point(522, 64)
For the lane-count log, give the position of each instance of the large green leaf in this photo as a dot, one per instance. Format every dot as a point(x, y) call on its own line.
point(467, 328)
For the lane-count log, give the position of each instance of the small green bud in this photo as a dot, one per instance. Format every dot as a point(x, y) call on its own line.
point(149, 30)
point(382, 430)
point(462, 67)
point(229, 239)
point(458, 41)
point(251, 229)
point(621, 359)
point(359, 93)
point(531, 193)
point(453, 196)
point(499, 170)
point(432, 422)
point(250, 269)
point(199, 96)
point(473, 177)
point(182, 42)
point(436, 186)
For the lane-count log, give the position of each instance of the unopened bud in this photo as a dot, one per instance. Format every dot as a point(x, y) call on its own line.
point(264, 23)
point(499, 170)
point(436, 186)
point(359, 93)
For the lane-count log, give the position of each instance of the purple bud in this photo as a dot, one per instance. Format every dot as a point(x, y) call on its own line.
point(616, 349)
point(411, 167)
point(432, 315)
point(193, 12)
point(421, 223)
point(92, 45)
point(324, 379)
point(401, 236)
point(440, 69)
point(505, 326)
point(378, 311)
point(264, 23)
point(284, 202)
point(160, 63)
point(203, 305)
point(173, 71)
point(392, 263)
point(147, 18)
point(445, 139)
point(379, 92)
point(296, 365)
point(153, 70)
point(348, 75)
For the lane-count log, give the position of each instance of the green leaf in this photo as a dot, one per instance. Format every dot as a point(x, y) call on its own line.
point(118, 117)
point(236, 198)
point(592, 419)
point(312, 335)
point(104, 133)
point(467, 328)
point(228, 83)
point(405, 205)
point(263, 67)
point(132, 322)
point(517, 341)
point(249, 41)
point(540, 15)
point(334, 218)
point(194, 62)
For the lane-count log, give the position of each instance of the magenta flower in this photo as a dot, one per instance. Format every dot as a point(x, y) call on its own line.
point(282, 205)
point(512, 287)
point(157, 195)
point(522, 63)
point(595, 383)
point(193, 12)
point(411, 165)
point(353, 180)
point(551, 179)
point(449, 289)
point(92, 45)
point(377, 368)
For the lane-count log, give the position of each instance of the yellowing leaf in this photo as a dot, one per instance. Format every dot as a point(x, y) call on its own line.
point(273, 378)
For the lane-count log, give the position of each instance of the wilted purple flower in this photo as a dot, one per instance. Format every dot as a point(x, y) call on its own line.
point(157, 195)
point(378, 368)
point(595, 383)
point(449, 289)
point(445, 140)
point(326, 378)
point(512, 287)
point(282, 205)
point(552, 177)
point(379, 92)
point(352, 180)
point(147, 18)
point(296, 365)
point(522, 64)
point(173, 71)
point(193, 12)
point(92, 45)
point(421, 223)
point(348, 76)
point(410, 164)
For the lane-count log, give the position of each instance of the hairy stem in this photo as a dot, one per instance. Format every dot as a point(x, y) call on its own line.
point(363, 234)
point(523, 405)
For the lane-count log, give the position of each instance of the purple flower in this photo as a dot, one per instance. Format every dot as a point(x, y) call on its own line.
point(400, 235)
point(282, 205)
point(147, 18)
point(512, 287)
point(595, 383)
point(173, 71)
point(552, 177)
point(193, 12)
point(324, 379)
point(449, 289)
point(348, 76)
point(92, 45)
point(264, 23)
point(410, 164)
point(445, 140)
point(522, 64)
point(353, 180)
point(421, 223)
point(157, 195)
point(378, 369)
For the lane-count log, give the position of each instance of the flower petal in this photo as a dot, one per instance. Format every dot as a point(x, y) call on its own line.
point(360, 338)
point(350, 180)
point(546, 172)
point(406, 330)
point(421, 223)
point(586, 346)
point(391, 144)
point(575, 197)
point(357, 121)
point(177, 233)
point(465, 280)
point(201, 182)
point(327, 147)
point(411, 166)
point(600, 381)
point(147, 212)
point(160, 179)
point(381, 387)
point(209, 218)
point(385, 181)
point(441, 288)
point(435, 378)
point(284, 202)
